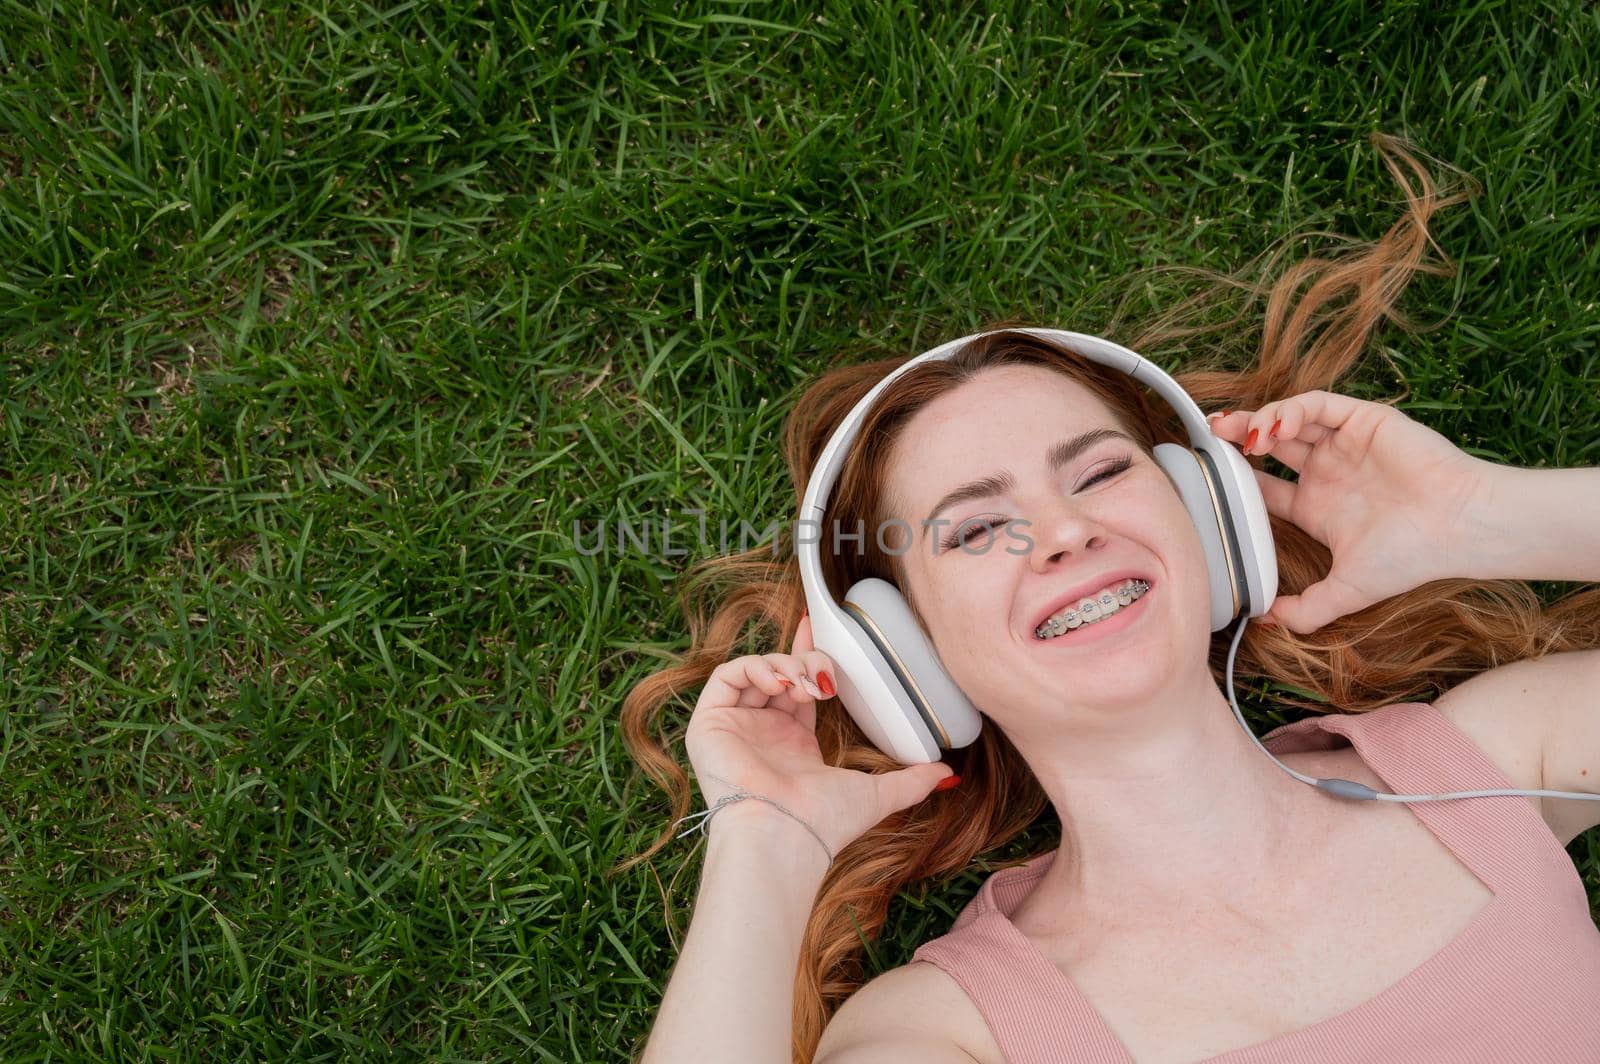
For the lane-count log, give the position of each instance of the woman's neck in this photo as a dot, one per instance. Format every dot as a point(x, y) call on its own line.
point(1168, 801)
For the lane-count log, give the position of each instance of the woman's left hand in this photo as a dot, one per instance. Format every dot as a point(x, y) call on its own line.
point(1382, 492)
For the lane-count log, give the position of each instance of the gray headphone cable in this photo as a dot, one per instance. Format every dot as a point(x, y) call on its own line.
point(1360, 791)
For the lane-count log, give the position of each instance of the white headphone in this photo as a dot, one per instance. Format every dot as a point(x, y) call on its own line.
point(887, 674)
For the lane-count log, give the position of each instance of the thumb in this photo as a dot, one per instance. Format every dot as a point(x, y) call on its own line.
point(1278, 494)
point(1324, 601)
point(907, 786)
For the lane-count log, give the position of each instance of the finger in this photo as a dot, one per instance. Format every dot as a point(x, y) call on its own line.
point(906, 787)
point(1226, 424)
point(742, 681)
point(1317, 605)
point(820, 668)
point(766, 683)
point(1291, 425)
point(802, 636)
point(1291, 453)
point(800, 694)
point(793, 669)
point(1307, 417)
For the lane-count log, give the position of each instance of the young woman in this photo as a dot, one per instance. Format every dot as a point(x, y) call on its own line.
point(1202, 904)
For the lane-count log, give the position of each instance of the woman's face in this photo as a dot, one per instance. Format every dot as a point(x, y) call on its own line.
point(1082, 524)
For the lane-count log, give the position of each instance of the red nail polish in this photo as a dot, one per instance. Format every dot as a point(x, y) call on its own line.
point(786, 683)
point(1222, 413)
point(1250, 440)
point(1272, 435)
point(946, 783)
point(825, 684)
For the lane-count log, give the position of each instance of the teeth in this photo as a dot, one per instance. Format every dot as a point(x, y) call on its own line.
point(1093, 608)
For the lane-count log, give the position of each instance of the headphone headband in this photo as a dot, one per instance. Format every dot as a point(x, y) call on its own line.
point(1096, 349)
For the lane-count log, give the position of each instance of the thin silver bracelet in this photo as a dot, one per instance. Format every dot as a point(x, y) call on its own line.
point(726, 800)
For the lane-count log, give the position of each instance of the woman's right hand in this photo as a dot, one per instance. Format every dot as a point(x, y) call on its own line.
point(754, 729)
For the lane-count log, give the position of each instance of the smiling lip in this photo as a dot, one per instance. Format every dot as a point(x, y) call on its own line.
point(1113, 624)
point(1075, 595)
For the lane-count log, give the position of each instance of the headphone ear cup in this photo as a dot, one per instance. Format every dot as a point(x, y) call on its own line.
point(1182, 465)
point(888, 627)
point(1254, 547)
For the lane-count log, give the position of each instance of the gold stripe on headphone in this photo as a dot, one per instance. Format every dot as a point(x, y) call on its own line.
point(929, 715)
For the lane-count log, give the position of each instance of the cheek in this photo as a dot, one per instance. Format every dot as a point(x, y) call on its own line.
point(1188, 565)
point(968, 623)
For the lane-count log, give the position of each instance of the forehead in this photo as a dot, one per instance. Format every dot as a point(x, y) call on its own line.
point(1003, 418)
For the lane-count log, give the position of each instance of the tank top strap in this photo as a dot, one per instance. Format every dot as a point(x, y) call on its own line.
point(1034, 1012)
point(1416, 749)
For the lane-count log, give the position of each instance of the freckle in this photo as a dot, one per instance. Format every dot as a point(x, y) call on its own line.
point(1583, 772)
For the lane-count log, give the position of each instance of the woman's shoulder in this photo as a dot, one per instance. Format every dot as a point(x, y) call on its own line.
point(921, 1004)
point(913, 1012)
point(1469, 738)
point(1468, 732)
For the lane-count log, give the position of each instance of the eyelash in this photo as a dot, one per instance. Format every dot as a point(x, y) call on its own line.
point(962, 534)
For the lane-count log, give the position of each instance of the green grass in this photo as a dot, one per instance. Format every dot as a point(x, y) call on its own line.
point(323, 323)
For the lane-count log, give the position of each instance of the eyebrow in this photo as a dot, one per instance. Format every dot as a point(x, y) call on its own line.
point(999, 483)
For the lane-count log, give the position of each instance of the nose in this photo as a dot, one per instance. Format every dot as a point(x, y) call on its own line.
point(1063, 533)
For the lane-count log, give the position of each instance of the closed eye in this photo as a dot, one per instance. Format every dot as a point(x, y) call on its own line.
point(964, 533)
point(1117, 466)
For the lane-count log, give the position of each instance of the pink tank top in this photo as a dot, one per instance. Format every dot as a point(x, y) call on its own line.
point(1520, 985)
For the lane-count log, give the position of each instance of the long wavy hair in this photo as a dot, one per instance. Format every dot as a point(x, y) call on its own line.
point(1414, 645)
